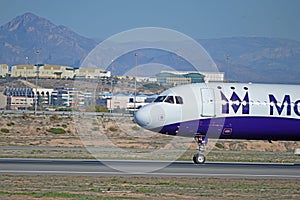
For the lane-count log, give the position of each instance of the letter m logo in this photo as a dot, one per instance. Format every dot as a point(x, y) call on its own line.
point(236, 103)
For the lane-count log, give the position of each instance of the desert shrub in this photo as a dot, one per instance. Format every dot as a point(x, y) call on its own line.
point(219, 145)
point(154, 86)
point(4, 130)
point(95, 129)
point(96, 108)
point(54, 117)
point(64, 109)
point(57, 131)
point(135, 128)
point(10, 124)
point(112, 129)
point(25, 116)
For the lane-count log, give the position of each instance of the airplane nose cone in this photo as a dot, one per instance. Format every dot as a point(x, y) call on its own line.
point(142, 117)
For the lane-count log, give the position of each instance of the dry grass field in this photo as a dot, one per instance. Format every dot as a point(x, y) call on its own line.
point(57, 136)
point(46, 187)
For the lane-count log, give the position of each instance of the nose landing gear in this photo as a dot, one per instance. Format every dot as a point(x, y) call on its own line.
point(199, 158)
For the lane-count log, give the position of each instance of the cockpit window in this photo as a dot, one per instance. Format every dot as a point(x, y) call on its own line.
point(160, 99)
point(169, 99)
point(178, 100)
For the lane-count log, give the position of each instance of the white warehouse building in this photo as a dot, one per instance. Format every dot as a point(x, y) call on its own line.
point(91, 73)
point(3, 70)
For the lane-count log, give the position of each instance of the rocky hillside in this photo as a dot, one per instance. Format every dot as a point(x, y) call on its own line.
point(256, 59)
point(28, 34)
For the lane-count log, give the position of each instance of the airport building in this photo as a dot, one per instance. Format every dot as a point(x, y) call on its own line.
point(91, 73)
point(43, 71)
point(23, 71)
point(53, 71)
point(4, 70)
point(128, 101)
point(3, 101)
point(174, 78)
point(66, 97)
point(21, 98)
point(213, 76)
point(19, 102)
point(18, 98)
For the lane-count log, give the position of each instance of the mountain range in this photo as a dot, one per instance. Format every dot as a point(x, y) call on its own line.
point(26, 35)
point(243, 59)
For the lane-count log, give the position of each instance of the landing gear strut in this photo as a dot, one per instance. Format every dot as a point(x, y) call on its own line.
point(199, 158)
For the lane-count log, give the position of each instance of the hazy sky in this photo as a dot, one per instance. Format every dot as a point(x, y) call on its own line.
point(198, 19)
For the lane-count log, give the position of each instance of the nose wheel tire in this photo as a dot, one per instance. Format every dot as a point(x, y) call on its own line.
point(201, 140)
point(199, 158)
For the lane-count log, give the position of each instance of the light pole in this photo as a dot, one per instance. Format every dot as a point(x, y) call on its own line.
point(111, 87)
point(27, 64)
point(134, 102)
point(227, 68)
point(37, 52)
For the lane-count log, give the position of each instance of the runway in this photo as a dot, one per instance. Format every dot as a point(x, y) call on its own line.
point(145, 168)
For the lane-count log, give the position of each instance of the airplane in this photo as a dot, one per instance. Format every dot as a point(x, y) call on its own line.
point(225, 110)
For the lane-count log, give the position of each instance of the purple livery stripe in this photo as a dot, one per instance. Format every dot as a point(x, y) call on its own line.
point(250, 128)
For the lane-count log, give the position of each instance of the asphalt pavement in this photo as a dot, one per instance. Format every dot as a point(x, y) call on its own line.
point(147, 168)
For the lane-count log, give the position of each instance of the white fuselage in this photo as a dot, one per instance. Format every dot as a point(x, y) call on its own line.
point(226, 110)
